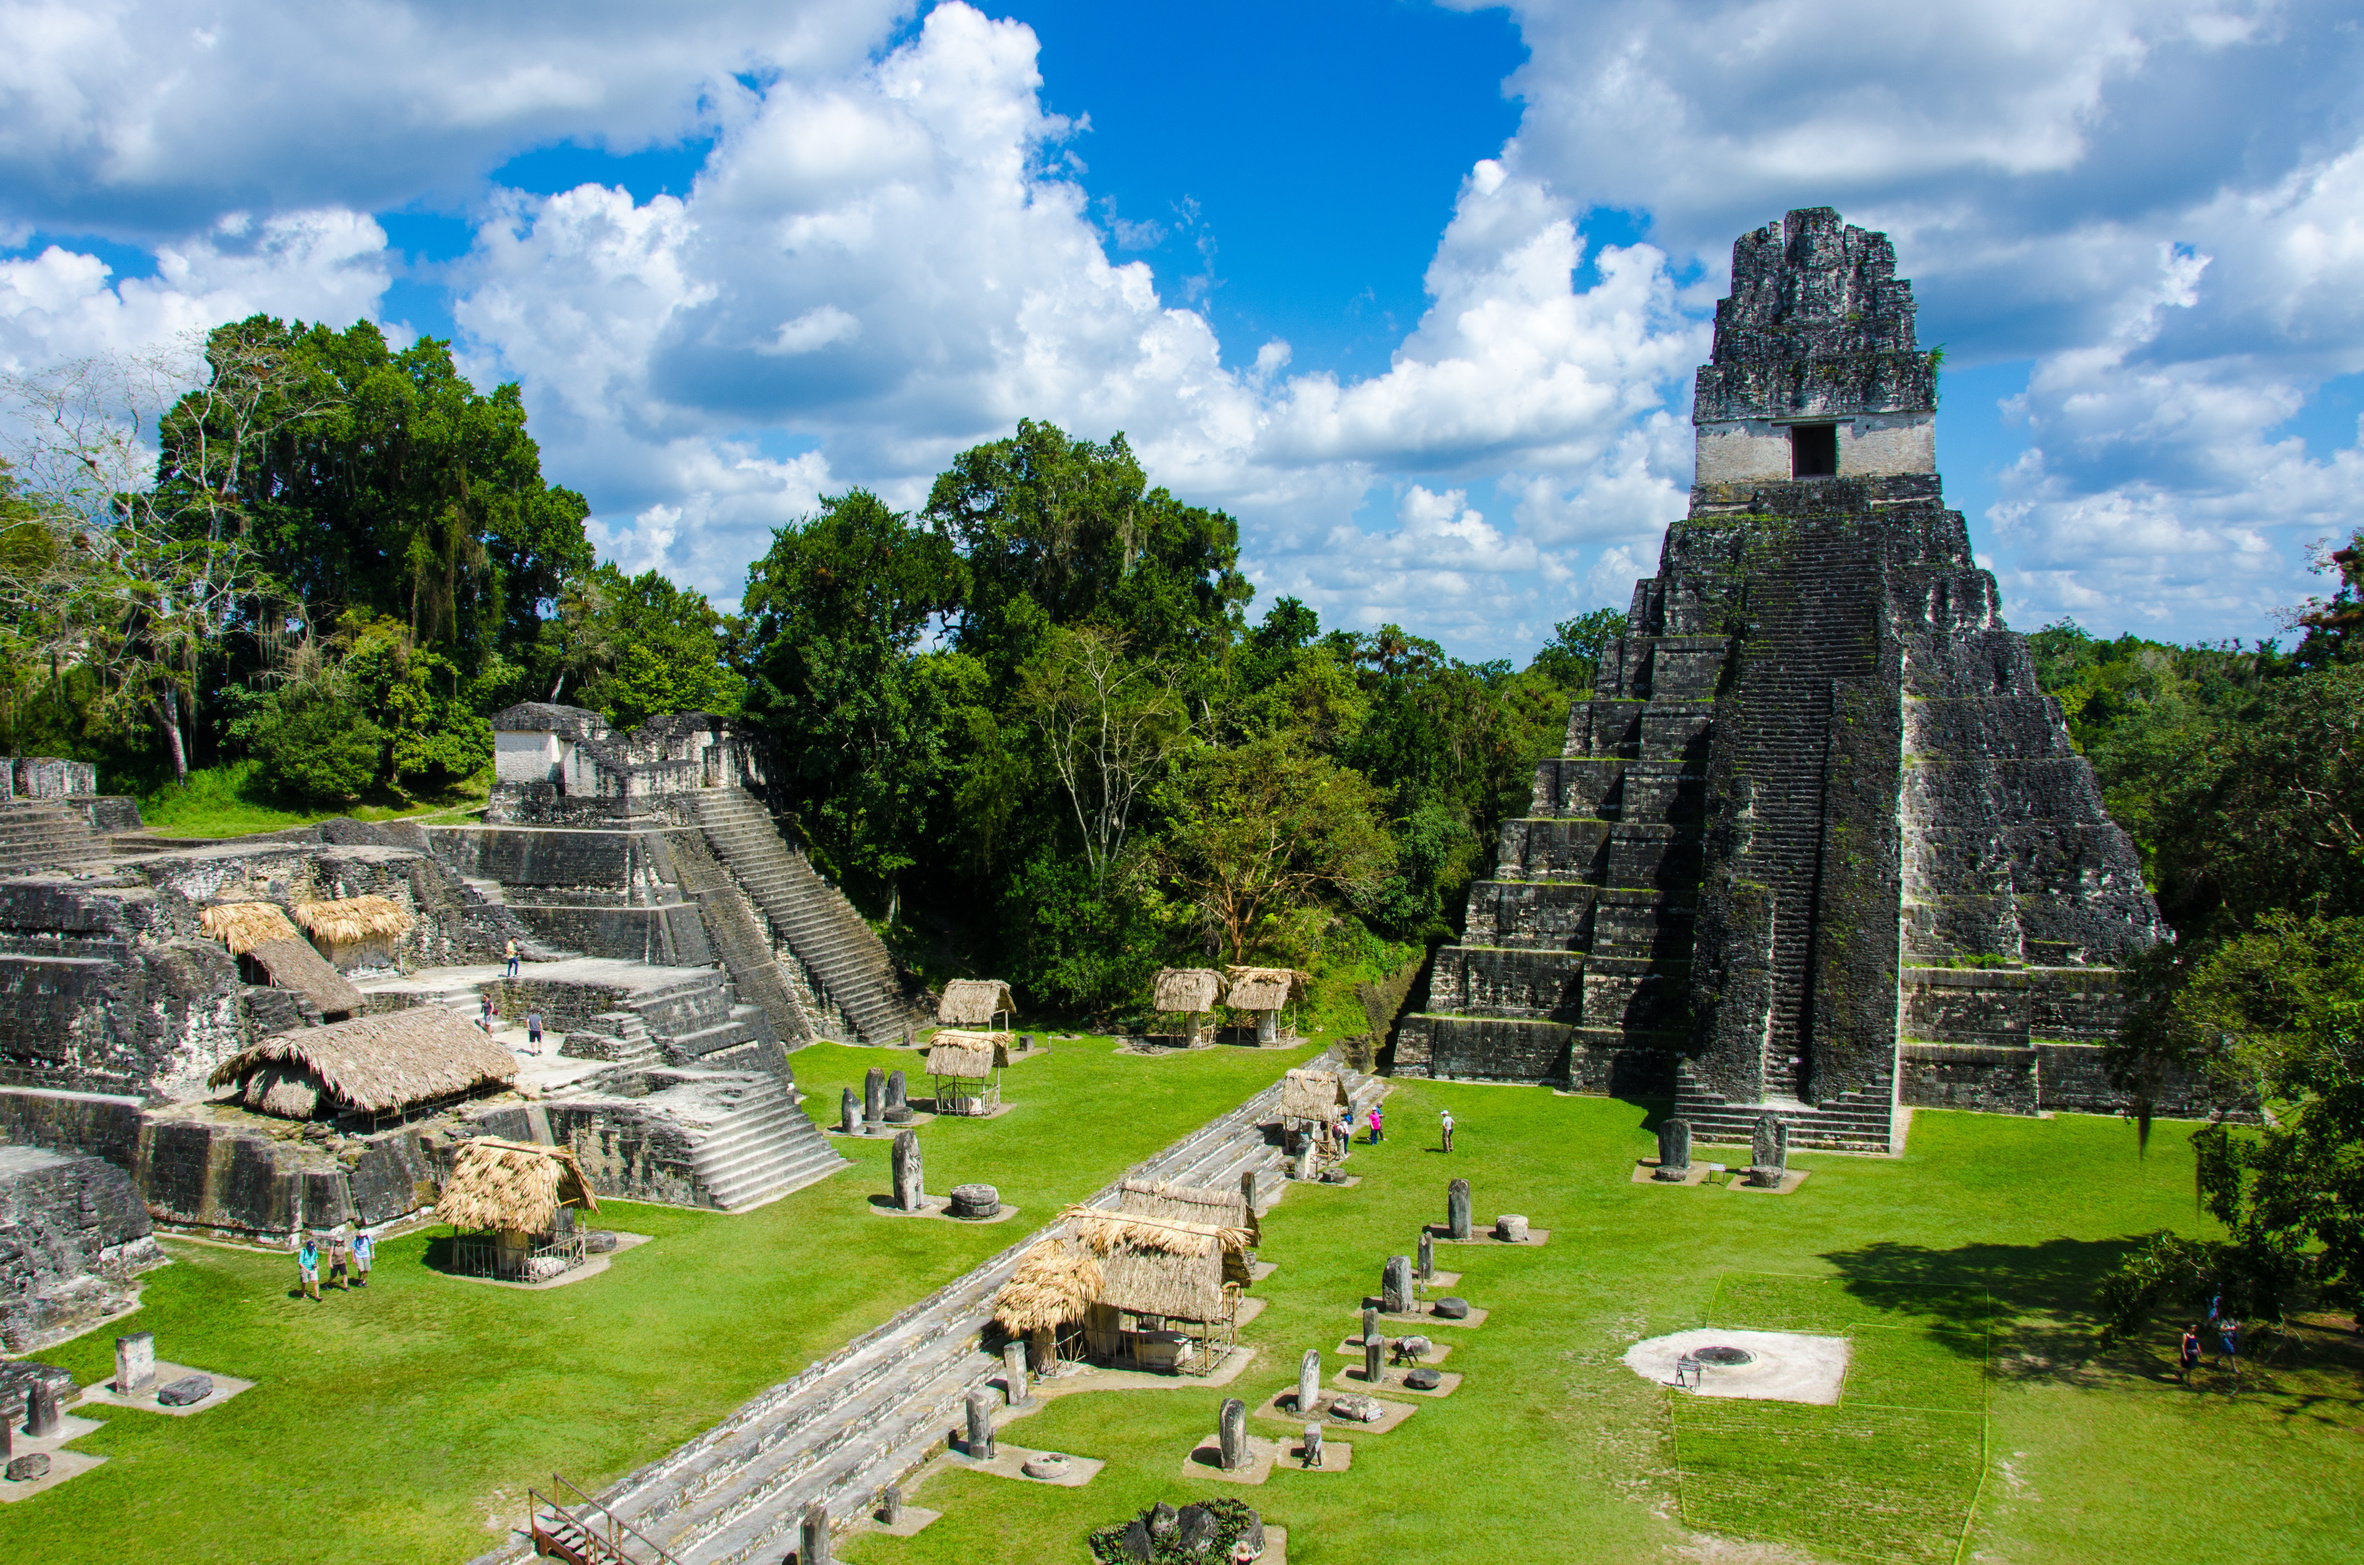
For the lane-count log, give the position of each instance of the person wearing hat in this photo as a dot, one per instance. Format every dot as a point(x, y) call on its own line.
point(365, 1250)
point(308, 1268)
point(1448, 1124)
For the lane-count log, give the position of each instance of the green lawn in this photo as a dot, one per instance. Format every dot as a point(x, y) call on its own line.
point(1977, 1248)
point(403, 1423)
point(230, 801)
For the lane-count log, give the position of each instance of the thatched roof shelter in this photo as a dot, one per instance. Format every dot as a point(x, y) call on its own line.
point(1264, 988)
point(1162, 1265)
point(260, 932)
point(354, 921)
point(1190, 1204)
point(1188, 988)
point(244, 925)
point(512, 1186)
point(375, 1064)
point(974, 1002)
point(1054, 1283)
point(1313, 1094)
point(969, 1056)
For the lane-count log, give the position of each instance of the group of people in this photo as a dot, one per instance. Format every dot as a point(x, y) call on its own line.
point(2227, 1331)
point(349, 1260)
point(533, 1020)
point(1343, 1130)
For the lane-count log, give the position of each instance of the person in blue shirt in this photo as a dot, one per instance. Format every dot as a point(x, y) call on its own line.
point(365, 1250)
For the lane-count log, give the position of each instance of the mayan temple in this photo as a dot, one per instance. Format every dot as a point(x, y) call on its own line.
point(1817, 844)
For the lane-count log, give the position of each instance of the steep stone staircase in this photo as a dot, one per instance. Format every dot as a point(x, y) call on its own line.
point(820, 928)
point(39, 834)
point(739, 937)
point(1852, 1122)
point(869, 1413)
point(763, 1148)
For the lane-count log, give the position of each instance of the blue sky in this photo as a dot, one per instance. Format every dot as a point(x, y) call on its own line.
point(1412, 290)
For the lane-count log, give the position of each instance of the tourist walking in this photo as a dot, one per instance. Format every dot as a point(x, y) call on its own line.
point(1374, 1124)
point(484, 1017)
point(533, 1031)
point(308, 1269)
point(365, 1250)
point(337, 1260)
point(2187, 1353)
point(1343, 1131)
point(1447, 1116)
point(2229, 1334)
point(509, 955)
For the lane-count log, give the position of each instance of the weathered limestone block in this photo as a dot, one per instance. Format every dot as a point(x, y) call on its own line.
point(1674, 1151)
point(910, 1180)
point(1457, 1209)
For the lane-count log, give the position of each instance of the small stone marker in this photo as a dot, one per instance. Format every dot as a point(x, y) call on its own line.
point(598, 1241)
point(1137, 1545)
point(1162, 1521)
point(812, 1540)
point(874, 1097)
point(1313, 1448)
point(1247, 1189)
point(1374, 1351)
point(1047, 1466)
point(980, 1430)
point(1013, 1372)
point(41, 1410)
point(26, 1468)
point(1304, 1165)
point(1194, 1529)
point(1457, 1209)
point(898, 1108)
point(849, 1113)
point(135, 1361)
point(1309, 1380)
point(910, 1180)
point(1511, 1230)
point(1231, 1431)
point(1450, 1308)
point(1358, 1410)
point(974, 1202)
point(1411, 1350)
point(1425, 1266)
point(890, 1504)
point(187, 1391)
point(1370, 1323)
point(1674, 1152)
point(1422, 1379)
point(1769, 1151)
point(1395, 1285)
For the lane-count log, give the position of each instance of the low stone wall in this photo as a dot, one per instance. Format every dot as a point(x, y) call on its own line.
point(629, 1149)
point(2066, 1078)
point(73, 1234)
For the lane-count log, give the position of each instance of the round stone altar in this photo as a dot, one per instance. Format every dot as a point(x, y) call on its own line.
point(974, 1201)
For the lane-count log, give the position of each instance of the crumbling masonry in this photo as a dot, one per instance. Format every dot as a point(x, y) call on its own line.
point(1817, 843)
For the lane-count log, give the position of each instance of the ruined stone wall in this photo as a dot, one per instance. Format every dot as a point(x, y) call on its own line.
point(73, 1235)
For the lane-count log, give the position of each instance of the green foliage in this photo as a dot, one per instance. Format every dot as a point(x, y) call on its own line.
point(1572, 658)
point(659, 648)
point(314, 746)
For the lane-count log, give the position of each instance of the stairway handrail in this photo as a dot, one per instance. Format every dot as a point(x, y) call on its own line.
point(615, 1524)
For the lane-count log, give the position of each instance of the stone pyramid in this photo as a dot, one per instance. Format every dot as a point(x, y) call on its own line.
point(1816, 844)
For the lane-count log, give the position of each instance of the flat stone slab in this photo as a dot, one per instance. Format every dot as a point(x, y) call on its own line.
point(68, 1428)
point(909, 1522)
point(1282, 1405)
point(1206, 1461)
point(939, 1207)
point(1437, 1352)
point(224, 1388)
point(1337, 1456)
point(63, 1465)
point(1789, 1181)
point(1535, 1237)
point(592, 1266)
point(1646, 1171)
point(1426, 1316)
point(1392, 1379)
point(1788, 1366)
point(1009, 1461)
point(884, 1132)
point(1262, 1270)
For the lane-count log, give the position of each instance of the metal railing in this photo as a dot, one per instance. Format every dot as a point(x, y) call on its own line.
point(481, 1255)
point(595, 1537)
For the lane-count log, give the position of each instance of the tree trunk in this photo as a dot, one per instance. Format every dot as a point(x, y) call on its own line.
point(168, 711)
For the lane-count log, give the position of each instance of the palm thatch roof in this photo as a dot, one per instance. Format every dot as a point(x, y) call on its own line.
point(244, 925)
point(1312, 1094)
point(973, 1002)
point(351, 920)
point(513, 1185)
point(1162, 1265)
point(1264, 988)
point(379, 1064)
point(1190, 1204)
point(1053, 1284)
point(970, 1056)
point(294, 964)
point(1188, 988)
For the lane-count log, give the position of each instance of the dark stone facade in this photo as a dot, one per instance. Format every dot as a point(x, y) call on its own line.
point(1816, 804)
point(73, 1234)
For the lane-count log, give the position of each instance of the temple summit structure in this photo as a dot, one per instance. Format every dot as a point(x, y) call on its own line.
point(1817, 844)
